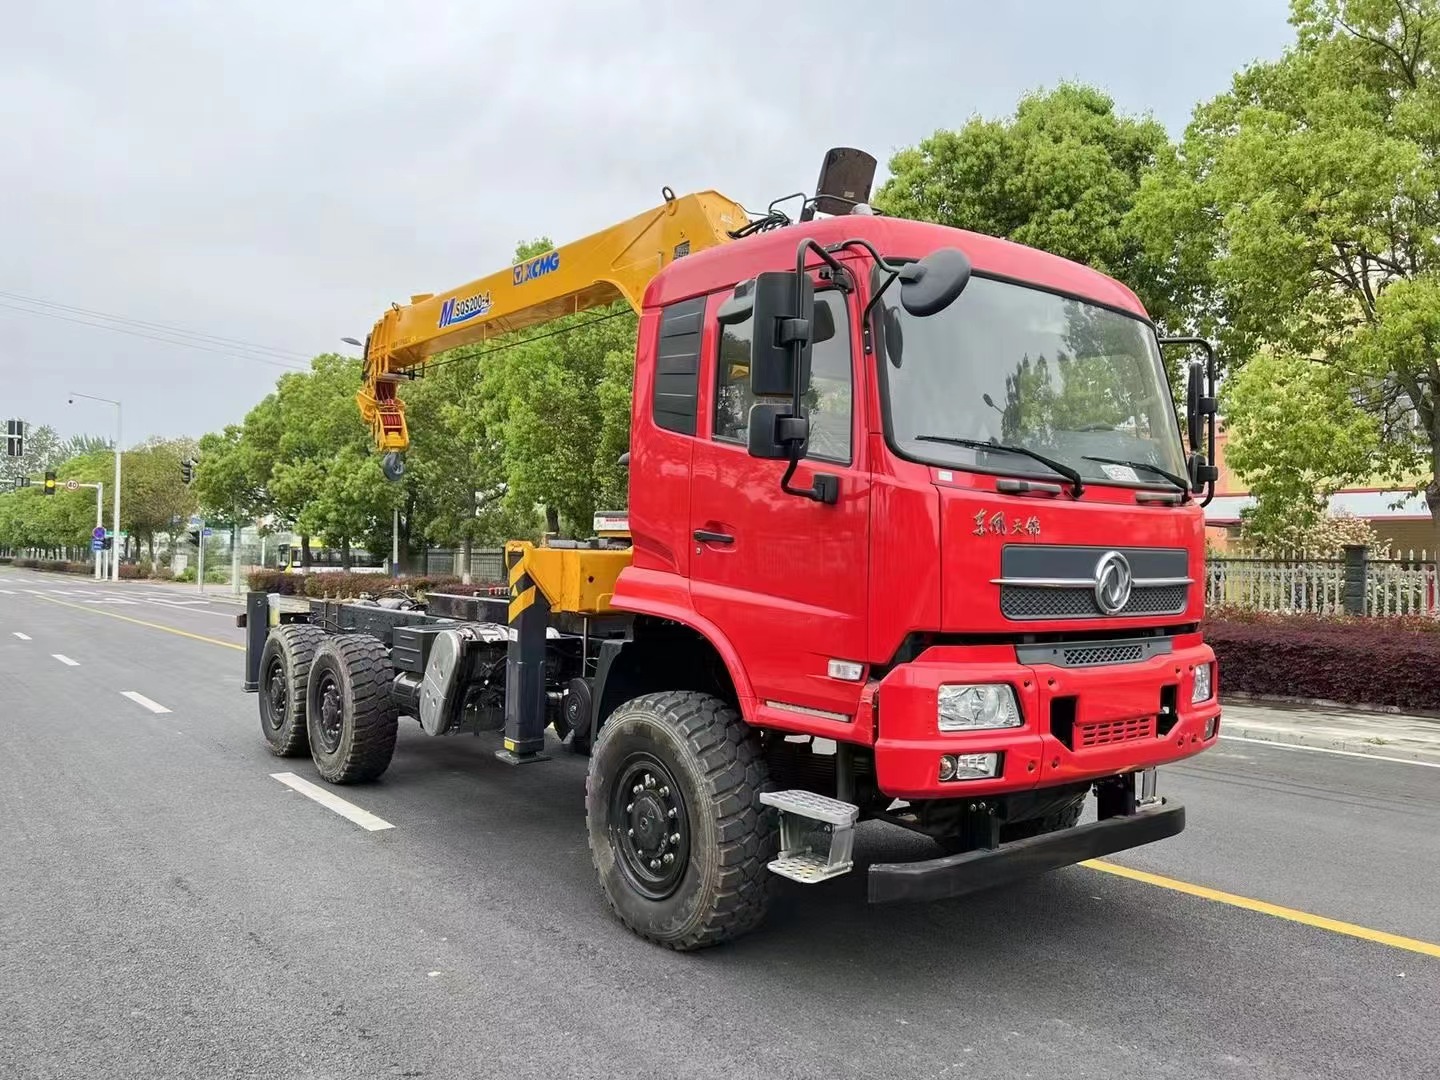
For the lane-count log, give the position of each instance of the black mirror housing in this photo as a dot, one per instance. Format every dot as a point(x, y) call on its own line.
point(934, 283)
point(772, 430)
point(777, 365)
point(1194, 391)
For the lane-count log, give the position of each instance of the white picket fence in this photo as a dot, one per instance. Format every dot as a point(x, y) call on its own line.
point(1400, 585)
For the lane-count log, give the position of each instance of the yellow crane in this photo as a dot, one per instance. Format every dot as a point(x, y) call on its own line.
point(613, 264)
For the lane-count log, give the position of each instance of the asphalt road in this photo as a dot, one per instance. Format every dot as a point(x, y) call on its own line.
point(169, 909)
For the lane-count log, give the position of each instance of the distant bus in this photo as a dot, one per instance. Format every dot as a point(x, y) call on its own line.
point(326, 560)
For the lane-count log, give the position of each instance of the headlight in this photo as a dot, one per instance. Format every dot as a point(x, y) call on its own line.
point(976, 708)
point(1203, 687)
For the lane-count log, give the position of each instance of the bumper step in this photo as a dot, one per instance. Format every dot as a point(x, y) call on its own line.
point(817, 835)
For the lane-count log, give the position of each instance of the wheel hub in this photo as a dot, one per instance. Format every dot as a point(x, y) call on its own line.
point(649, 826)
point(331, 715)
point(275, 693)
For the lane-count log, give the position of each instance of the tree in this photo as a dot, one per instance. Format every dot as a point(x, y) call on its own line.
point(1309, 196)
point(155, 499)
point(1060, 175)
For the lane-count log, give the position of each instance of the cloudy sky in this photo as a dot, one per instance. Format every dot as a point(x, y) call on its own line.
point(274, 174)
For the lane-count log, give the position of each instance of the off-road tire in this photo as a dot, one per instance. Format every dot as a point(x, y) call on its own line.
point(284, 672)
point(356, 670)
point(723, 888)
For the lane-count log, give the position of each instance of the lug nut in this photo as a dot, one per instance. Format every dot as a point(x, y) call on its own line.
point(629, 832)
point(664, 791)
point(669, 858)
point(673, 812)
point(654, 864)
point(629, 807)
point(649, 780)
point(636, 790)
point(674, 838)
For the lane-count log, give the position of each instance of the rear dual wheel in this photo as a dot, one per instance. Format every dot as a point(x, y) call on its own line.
point(351, 718)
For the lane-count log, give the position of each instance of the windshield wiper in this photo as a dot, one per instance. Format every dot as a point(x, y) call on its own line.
point(1077, 485)
point(1179, 482)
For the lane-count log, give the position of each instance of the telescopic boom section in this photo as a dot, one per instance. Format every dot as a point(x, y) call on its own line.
point(616, 263)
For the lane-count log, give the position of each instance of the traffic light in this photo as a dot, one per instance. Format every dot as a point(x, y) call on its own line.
point(50, 482)
point(194, 537)
point(15, 438)
point(187, 470)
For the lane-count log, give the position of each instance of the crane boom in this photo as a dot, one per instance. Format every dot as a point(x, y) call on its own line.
point(613, 264)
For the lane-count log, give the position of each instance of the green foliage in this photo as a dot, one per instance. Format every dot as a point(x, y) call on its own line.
point(1060, 175)
point(1308, 196)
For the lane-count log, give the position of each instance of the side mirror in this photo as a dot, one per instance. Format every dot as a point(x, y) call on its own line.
point(1194, 391)
point(773, 428)
point(933, 284)
point(784, 310)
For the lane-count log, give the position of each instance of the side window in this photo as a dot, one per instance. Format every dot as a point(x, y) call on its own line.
point(827, 398)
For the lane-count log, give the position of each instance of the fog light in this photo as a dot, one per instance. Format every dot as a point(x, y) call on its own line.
point(1203, 684)
point(969, 766)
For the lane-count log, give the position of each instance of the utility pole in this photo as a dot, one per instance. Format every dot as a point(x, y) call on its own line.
point(115, 550)
point(235, 559)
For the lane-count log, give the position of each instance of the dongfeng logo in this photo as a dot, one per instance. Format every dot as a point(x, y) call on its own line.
point(1112, 582)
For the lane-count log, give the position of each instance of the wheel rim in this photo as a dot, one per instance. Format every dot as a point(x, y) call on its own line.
point(276, 695)
point(649, 826)
point(331, 713)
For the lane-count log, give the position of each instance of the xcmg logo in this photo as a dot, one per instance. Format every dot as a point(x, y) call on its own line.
point(461, 309)
point(538, 267)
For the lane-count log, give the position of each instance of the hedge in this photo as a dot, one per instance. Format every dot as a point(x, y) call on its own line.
point(1387, 662)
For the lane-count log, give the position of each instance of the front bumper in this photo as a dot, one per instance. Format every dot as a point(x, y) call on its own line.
point(1079, 723)
point(959, 875)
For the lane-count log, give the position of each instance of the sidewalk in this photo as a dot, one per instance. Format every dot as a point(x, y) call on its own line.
point(1413, 738)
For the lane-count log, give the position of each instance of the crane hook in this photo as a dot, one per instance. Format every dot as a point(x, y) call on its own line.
point(393, 465)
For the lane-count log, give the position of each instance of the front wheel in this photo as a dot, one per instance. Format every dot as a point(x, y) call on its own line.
point(677, 832)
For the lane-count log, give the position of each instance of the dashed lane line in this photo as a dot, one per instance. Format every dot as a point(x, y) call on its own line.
point(331, 801)
point(65, 659)
point(143, 701)
point(22, 637)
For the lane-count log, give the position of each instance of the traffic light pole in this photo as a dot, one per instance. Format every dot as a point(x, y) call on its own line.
point(99, 524)
point(200, 559)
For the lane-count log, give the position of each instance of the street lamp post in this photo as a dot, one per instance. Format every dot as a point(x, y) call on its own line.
point(115, 548)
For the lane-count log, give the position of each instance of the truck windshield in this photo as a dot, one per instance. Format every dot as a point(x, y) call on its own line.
point(1010, 364)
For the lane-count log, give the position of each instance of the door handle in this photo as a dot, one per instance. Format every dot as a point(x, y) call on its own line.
point(705, 536)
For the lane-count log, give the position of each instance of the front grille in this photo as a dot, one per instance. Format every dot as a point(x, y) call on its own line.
point(1084, 656)
point(1109, 732)
point(1038, 602)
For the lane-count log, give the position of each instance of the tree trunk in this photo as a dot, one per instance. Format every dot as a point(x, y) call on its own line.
point(304, 553)
point(345, 553)
point(469, 556)
point(552, 521)
point(151, 540)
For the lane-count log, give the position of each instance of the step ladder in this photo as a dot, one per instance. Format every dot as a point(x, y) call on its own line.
point(817, 835)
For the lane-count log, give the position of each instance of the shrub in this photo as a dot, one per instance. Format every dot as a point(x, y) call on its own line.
point(278, 581)
point(1385, 662)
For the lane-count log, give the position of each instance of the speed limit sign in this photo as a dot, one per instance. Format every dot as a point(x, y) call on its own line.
point(72, 485)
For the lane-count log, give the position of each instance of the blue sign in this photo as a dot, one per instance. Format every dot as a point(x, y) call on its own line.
point(98, 532)
point(97, 545)
point(209, 532)
point(463, 309)
point(538, 267)
point(194, 521)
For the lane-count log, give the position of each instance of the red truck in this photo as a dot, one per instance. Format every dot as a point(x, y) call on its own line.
point(912, 536)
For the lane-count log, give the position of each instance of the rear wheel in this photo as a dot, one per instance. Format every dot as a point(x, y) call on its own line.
point(677, 832)
point(284, 671)
point(351, 717)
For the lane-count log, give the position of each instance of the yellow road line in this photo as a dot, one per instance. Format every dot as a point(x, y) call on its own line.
point(1335, 926)
point(142, 622)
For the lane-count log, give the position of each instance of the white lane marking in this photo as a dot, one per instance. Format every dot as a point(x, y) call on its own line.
point(35, 592)
point(65, 659)
point(141, 699)
point(109, 600)
point(22, 637)
point(1329, 750)
point(330, 800)
point(6, 592)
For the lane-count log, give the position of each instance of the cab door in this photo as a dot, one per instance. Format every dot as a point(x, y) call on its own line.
point(785, 578)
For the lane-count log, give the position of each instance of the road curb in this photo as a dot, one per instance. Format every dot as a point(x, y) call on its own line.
point(1329, 742)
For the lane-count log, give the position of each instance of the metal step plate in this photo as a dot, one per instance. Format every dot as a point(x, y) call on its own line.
point(810, 805)
point(817, 835)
